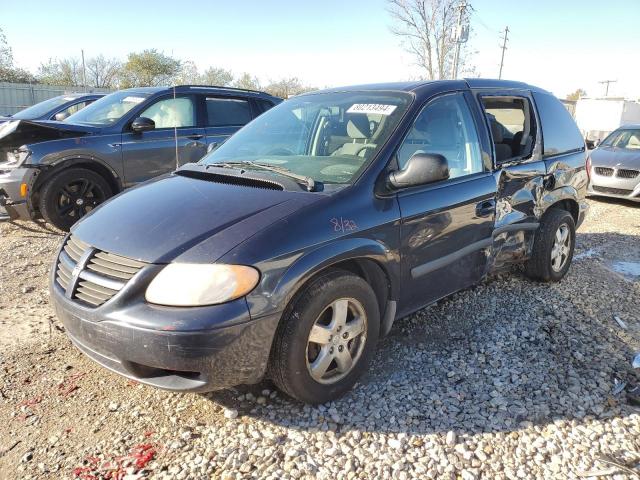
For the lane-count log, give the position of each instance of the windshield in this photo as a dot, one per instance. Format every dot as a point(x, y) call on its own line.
point(108, 110)
point(42, 108)
point(328, 137)
point(629, 139)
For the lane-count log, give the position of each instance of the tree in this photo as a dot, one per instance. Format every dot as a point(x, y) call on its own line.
point(217, 76)
point(247, 82)
point(8, 71)
point(149, 68)
point(579, 93)
point(6, 54)
point(287, 87)
point(425, 28)
point(103, 72)
point(189, 74)
point(66, 72)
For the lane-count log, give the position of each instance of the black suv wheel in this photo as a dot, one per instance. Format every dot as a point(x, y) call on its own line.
point(70, 195)
point(326, 338)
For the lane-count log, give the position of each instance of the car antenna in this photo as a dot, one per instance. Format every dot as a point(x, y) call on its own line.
point(175, 134)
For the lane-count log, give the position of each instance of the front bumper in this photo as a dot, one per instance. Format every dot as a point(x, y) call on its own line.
point(12, 204)
point(193, 349)
point(614, 186)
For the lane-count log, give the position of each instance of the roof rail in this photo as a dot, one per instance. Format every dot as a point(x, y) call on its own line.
point(232, 89)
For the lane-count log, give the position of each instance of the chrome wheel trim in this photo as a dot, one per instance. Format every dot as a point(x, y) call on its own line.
point(336, 340)
point(561, 248)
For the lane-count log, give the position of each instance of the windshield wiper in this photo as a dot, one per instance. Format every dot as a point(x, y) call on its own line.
point(307, 181)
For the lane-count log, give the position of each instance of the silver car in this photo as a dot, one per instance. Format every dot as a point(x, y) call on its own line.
point(614, 167)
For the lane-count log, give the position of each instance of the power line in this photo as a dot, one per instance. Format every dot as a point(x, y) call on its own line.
point(479, 20)
point(504, 47)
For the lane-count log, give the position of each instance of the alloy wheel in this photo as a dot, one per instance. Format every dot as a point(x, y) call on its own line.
point(336, 340)
point(561, 248)
point(78, 197)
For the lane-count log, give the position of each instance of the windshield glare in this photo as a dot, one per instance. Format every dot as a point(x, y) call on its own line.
point(109, 109)
point(329, 137)
point(41, 108)
point(629, 139)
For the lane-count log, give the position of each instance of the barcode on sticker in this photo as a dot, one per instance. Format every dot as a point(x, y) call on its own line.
point(376, 108)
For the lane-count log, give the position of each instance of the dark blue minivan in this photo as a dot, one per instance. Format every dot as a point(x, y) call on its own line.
point(291, 249)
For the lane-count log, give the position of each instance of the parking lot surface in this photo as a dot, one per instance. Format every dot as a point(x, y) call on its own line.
point(509, 379)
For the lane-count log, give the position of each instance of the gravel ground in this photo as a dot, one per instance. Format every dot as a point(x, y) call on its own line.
point(510, 379)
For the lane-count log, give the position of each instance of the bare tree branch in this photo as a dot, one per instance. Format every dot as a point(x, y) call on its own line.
point(425, 29)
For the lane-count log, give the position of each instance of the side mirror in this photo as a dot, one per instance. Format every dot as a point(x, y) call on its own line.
point(421, 168)
point(142, 124)
point(60, 116)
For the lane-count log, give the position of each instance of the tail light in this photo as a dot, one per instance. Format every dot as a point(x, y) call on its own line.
point(588, 167)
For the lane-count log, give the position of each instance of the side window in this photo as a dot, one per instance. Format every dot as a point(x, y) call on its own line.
point(446, 127)
point(512, 126)
point(76, 107)
point(263, 105)
point(560, 133)
point(172, 113)
point(227, 112)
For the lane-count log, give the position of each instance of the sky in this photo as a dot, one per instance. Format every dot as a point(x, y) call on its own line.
point(559, 45)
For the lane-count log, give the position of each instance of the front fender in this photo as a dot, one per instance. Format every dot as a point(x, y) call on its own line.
point(55, 165)
point(275, 292)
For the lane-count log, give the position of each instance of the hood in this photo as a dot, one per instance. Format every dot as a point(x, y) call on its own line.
point(615, 157)
point(166, 217)
point(15, 133)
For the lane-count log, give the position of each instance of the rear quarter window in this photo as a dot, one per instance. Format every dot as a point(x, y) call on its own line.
point(224, 112)
point(560, 133)
point(263, 105)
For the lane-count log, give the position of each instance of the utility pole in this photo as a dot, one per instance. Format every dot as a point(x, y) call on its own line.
point(504, 47)
point(461, 35)
point(607, 82)
point(84, 72)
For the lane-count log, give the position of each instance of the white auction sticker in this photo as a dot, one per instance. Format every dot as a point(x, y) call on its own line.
point(376, 108)
point(132, 99)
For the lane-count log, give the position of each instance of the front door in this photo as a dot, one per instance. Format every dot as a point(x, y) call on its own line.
point(176, 140)
point(447, 226)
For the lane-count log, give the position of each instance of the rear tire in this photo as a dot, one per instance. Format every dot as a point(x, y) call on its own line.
point(71, 194)
point(552, 247)
point(326, 338)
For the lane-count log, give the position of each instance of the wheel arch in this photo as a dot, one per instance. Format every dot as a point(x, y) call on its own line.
point(90, 163)
point(565, 198)
point(368, 259)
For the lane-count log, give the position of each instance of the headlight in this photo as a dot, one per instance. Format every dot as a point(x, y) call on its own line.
point(15, 158)
point(194, 284)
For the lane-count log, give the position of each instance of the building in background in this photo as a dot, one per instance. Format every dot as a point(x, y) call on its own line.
point(598, 117)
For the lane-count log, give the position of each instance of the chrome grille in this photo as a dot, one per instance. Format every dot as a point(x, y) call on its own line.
point(624, 173)
point(104, 274)
point(604, 171)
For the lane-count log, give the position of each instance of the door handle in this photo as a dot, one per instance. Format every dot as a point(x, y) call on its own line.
point(195, 136)
point(485, 208)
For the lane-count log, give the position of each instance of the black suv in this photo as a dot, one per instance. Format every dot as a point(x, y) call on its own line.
point(293, 247)
point(62, 170)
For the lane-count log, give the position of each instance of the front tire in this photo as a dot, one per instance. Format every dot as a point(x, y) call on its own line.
point(326, 338)
point(552, 247)
point(71, 194)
